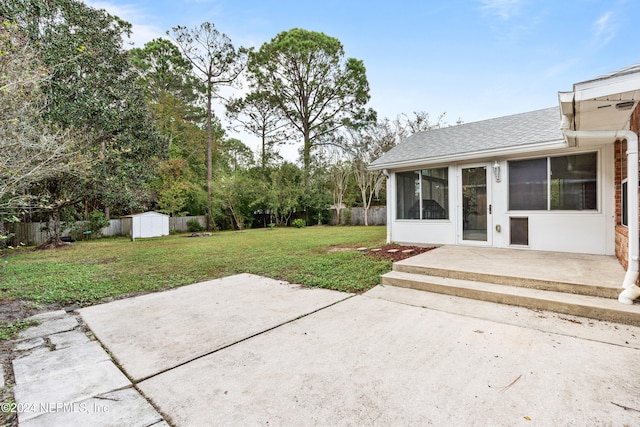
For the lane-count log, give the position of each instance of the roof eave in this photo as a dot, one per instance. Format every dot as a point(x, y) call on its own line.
point(474, 155)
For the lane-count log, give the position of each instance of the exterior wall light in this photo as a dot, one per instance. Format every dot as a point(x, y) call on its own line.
point(496, 170)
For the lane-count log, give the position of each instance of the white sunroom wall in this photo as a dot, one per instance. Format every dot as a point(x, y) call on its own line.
point(589, 232)
point(423, 232)
point(558, 231)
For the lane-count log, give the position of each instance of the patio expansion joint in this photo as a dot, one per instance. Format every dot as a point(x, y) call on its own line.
point(136, 382)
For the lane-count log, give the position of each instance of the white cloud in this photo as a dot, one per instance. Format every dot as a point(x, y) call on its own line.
point(605, 28)
point(141, 31)
point(505, 9)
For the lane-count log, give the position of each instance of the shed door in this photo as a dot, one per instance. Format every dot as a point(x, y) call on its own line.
point(474, 204)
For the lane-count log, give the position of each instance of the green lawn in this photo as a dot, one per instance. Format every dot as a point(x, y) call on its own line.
point(87, 272)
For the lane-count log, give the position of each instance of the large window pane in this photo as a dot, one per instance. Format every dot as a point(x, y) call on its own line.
point(528, 184)
point(573, 182)
point(408, 195)
point(435, 193)
point(423, 194)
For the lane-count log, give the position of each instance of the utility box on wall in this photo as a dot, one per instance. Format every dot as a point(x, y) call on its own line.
point(148, 224)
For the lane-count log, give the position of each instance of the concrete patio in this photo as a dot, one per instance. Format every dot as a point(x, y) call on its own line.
point(250, 350)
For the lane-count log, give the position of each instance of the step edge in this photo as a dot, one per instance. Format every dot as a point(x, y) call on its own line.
point(519, 282)
point(586, 301)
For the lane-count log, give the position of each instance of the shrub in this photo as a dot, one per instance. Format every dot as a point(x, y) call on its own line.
point(97, 221)
point(194, 226)
point(298, 223)
point(346, 216)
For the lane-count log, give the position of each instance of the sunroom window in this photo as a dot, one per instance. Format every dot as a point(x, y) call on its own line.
point(554, 183)
point(423, 194)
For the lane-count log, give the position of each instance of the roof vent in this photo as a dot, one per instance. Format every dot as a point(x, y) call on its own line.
point(627, 105)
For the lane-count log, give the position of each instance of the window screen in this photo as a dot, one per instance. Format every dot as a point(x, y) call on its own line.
point(556, 183)
point(573, 182)
point(407, 195)
point(528, 184)
point(423, 194)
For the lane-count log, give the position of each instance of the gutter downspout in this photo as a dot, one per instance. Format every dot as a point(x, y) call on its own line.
point(632, 291)
point(389, 222)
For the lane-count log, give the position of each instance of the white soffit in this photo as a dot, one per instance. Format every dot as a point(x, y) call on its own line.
point(605, 102)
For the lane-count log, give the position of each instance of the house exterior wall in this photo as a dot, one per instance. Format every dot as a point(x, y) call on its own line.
point(621, 234)
point(429, 232)
point(591, 232)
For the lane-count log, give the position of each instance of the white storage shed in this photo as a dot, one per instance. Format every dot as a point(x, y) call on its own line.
point(147, 224)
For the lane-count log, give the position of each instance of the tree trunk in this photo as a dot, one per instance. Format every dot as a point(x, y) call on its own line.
point(209, 162)
point(263, 154)
point(53, 231)
point(236, 219)
point(3, 233)
point(306, 151)
point(366, 216)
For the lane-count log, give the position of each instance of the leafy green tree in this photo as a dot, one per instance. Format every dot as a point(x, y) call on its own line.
point(93, 89)
point(237, 191)
point(339, 178)
point(239, 196)
point(235, 156)
point(284, 193)
point(364, 146)
point(317, 90)
point(174, 188)
point(316, 199)
point(258, 114)
point(31, 149)
point(216, 63)
point(173, 98)
point(164, 71)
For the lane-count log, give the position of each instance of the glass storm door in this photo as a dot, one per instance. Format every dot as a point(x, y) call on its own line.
point(475, 205)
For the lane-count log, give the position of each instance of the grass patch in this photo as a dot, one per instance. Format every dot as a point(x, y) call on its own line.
point(87, 272)
point(10, 330)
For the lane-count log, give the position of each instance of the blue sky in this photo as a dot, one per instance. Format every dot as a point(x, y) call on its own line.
point(473, 59)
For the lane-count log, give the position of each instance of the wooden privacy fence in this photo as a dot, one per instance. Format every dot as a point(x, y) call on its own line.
point(34, 233)
point(377, 215)
point(179, 223)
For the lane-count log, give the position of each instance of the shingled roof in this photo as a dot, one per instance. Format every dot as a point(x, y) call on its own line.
point(518, 130)
point(630, 69)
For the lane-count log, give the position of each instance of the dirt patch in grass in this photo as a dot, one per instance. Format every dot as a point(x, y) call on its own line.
point(395, 252)
point(12, 310)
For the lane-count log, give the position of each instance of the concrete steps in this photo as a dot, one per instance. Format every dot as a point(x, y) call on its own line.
point(591, 289)
point(592, 301)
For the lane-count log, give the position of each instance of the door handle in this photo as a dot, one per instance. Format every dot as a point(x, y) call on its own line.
point(489, 209)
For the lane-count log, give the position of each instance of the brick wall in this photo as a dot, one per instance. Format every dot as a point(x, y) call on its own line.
point(622, 235)
point(622, 245)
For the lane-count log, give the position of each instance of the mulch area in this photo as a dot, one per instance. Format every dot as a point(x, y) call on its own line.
point(397, 253)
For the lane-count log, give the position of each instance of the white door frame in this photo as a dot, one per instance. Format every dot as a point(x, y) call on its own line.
point(488, 206)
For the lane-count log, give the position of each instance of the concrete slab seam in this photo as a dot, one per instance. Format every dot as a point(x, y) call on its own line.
point(165, 417)
point(135, 382)
point(113, 358)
